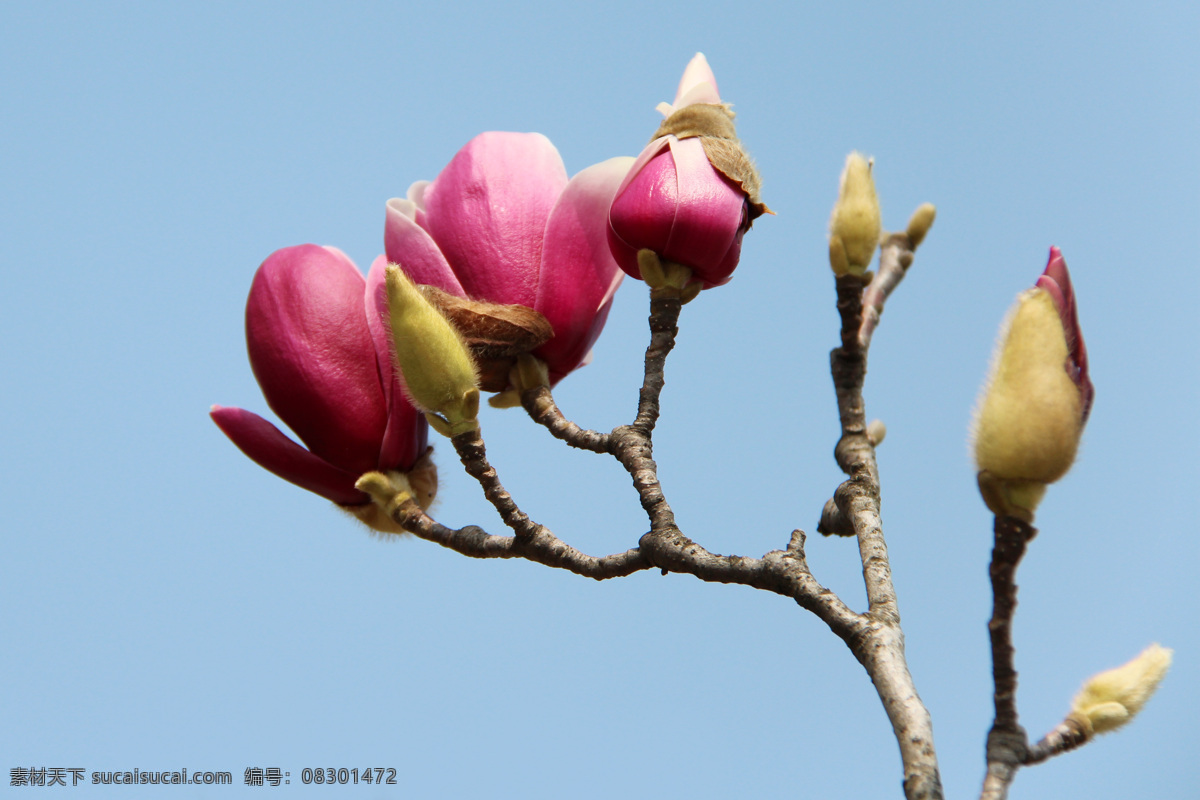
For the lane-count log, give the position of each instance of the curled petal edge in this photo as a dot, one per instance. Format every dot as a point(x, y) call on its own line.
point(267, 446)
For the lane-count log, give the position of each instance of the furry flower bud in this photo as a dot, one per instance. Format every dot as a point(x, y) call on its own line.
point(1109, 700)
point(439, 374)
point(855, 226)
point(1032, 413)
point(693, 192)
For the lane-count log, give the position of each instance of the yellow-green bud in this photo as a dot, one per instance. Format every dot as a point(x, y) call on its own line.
point(855, 225)
point(389, 488)
point(1030, 417)
point(1109, 700)
point(919, 224)
point(439, 374)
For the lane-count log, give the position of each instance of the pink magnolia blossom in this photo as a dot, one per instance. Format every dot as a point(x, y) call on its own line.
point(677, 204)
point(319, 347)
point(674, 201)
point(502, 223)
point(1057, 283)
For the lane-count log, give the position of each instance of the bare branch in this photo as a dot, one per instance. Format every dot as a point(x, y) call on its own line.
point(471, 452)
point(895, 258)
point(541, 546)
point(1007, 744)
point(540, 405)
point(1066, 736)
point(858, 497)
point(880, 646)
point(664, 318)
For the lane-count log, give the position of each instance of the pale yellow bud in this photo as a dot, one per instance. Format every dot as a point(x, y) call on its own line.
point(389, 488)
point(919, 224)
point(1030, 417)
point(876, 431)
point(855, 224)
point(439, 374)
point(1109, 700)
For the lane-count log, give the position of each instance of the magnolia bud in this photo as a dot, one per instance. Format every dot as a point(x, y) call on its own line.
point(1032, 412)
point(855, 226)
point(1109, 700)
point(439, 374)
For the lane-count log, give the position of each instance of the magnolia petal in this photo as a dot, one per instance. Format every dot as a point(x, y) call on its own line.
point(698, 84)
point(487, 211)
point(410, 246)
point(643, 209)
point(406, 435)
point(313, 356)
point(270, 449)
point(1056, 281)
point(677, 204)
point(416, 193)
point(711, 218)
point(578, 275)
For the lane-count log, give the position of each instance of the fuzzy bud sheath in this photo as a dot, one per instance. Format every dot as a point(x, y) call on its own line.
point(855, 226)
point(1032, 412)
point(1109, 700)
point(439, 374)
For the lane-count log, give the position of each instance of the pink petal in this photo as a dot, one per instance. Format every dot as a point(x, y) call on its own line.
point(411, 247)
point(271, 450)
point(407, 432)
point(1056, 281)
point(643, 210)
point(698, 84)
point(711, 219)
point(679, 206)
point(487, 211)
point(579, 276)
point(312, 353)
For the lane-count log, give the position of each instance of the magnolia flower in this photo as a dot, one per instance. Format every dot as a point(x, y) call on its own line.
point(693, 192)
point(318, 339)
point(1033, 410)
point(502, 223)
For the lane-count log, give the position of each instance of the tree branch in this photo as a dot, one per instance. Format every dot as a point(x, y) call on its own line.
point(664, 319)
point(1007, 744)
point(541, 546)
point(539, 404)
point(1068, 735)
point(880, 647)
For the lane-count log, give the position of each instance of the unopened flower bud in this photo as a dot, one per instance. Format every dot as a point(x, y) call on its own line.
point(1109, 700)
point(439, 374)
point(1037, 400)
point(693, 192)
point(919, 224)
point(855, 226)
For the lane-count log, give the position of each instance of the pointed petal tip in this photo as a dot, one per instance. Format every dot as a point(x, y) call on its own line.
point(698, 84)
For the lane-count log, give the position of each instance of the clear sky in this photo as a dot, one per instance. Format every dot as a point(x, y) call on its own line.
point(166, 604)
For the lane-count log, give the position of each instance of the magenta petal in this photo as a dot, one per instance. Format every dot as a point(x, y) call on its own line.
point(407, 432)
point(675, 203)
point(707, 235)
point(643, 211)
point(578, 276)
point(411, 247)
point(487, 211)
point(271, 450)
point(312, 353)
point(1056, 281)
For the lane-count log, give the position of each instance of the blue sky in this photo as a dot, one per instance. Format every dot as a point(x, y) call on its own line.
point(167, 604)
